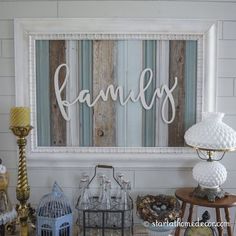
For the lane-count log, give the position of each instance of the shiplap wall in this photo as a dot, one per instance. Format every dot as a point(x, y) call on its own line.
point(155, 179)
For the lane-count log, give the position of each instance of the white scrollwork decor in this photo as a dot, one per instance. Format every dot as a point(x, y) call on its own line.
point(117, 94)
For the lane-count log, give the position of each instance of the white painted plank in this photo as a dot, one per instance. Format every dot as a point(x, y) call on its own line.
point(227, 49)
point(235, 87)
point(227, 105)
point(120, 79)
point(229, 30)
point(164, 179)
point(11, 10)
point(6, 29)
point(161, 79)
point(227, 68)
point(7, 48)
point(9, 158)
point(4, 123)
point(225, 87)
point(134, 110)
point(6, 102)
point(69, 178)
point(230, 120)
point(7, 142)
point(7, 85)
point(220, 30)
point(72, 92)
point(160, 9)
point(230, 182)
point(37, 193)
point(159, 0)
point(7, 67)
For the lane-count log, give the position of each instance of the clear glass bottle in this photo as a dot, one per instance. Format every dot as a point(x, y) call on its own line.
point(120, 179)
point(105, 203)
point(84, 200)
point(102, 179)
point(125, 200)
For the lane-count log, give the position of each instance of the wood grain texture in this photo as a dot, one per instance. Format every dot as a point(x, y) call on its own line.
point(42, 84)
point(57, 56)
point(177, 69)
point(86, 82)
point(149, 116)
point(190, 82)
point(103, 75)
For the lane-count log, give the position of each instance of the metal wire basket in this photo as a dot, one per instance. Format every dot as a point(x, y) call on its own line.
point(113, 221)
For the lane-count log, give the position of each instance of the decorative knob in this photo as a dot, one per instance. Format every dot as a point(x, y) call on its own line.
point(100, 132)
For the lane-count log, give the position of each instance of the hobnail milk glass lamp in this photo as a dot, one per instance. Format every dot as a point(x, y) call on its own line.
point(210, 137)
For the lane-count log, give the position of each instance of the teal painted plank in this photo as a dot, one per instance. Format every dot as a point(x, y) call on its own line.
point(85, 81)
point(121, 79)
point(190, 83)
point(149, 116)
point(42, 91)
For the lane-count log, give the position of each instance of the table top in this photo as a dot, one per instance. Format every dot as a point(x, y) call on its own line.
point(185, 195)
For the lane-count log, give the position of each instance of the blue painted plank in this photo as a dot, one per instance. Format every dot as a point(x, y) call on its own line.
point(190, 83)
point(42, 92)
point(85, 82)
point(149, 116)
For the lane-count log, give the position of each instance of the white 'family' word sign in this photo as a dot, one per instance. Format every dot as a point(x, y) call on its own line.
point(118, 93)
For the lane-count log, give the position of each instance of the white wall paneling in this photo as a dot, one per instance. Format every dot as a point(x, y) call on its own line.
point(145, 179)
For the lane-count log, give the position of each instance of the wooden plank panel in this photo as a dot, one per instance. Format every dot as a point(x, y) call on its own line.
point(121, 79)
point(162, 77)
point(129, 117)
point(190, 83)
point(134, 110)
point(86, 82)
point(149, 116)
point(177, 69)
point(57, 56)
point(72, 91)
point(42, 84)
point(104, 111)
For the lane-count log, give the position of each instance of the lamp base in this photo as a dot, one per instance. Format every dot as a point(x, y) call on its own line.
point(211, 194)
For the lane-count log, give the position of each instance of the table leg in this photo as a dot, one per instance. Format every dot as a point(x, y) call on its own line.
point(183, 207)
point(227, 217)
point(2, 230)
point(218, 218)
point(190, 216)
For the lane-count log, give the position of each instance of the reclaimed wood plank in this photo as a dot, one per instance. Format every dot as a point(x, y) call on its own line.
point(72, 91)
point(134, 110)
point(57, 56)
point(190, 83)
point(86, 82)
point(104, 118)
point(42, 86)
point(177, 69)
point(121, 79)
point(162, 77)
point(149, 116)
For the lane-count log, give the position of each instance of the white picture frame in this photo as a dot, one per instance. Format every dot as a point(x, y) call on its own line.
point(28, 30)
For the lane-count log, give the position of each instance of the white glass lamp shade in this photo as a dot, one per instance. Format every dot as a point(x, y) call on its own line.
point(211, 133)
point(209, 174)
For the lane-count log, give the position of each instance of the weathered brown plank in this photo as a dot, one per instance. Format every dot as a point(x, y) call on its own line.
point(176, 69)
point(57, 56)
point(104, 134)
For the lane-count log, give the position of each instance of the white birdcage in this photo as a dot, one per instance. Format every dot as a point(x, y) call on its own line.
point(54, 214)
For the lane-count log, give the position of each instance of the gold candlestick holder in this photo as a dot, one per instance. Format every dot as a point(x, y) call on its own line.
point(24, 210)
